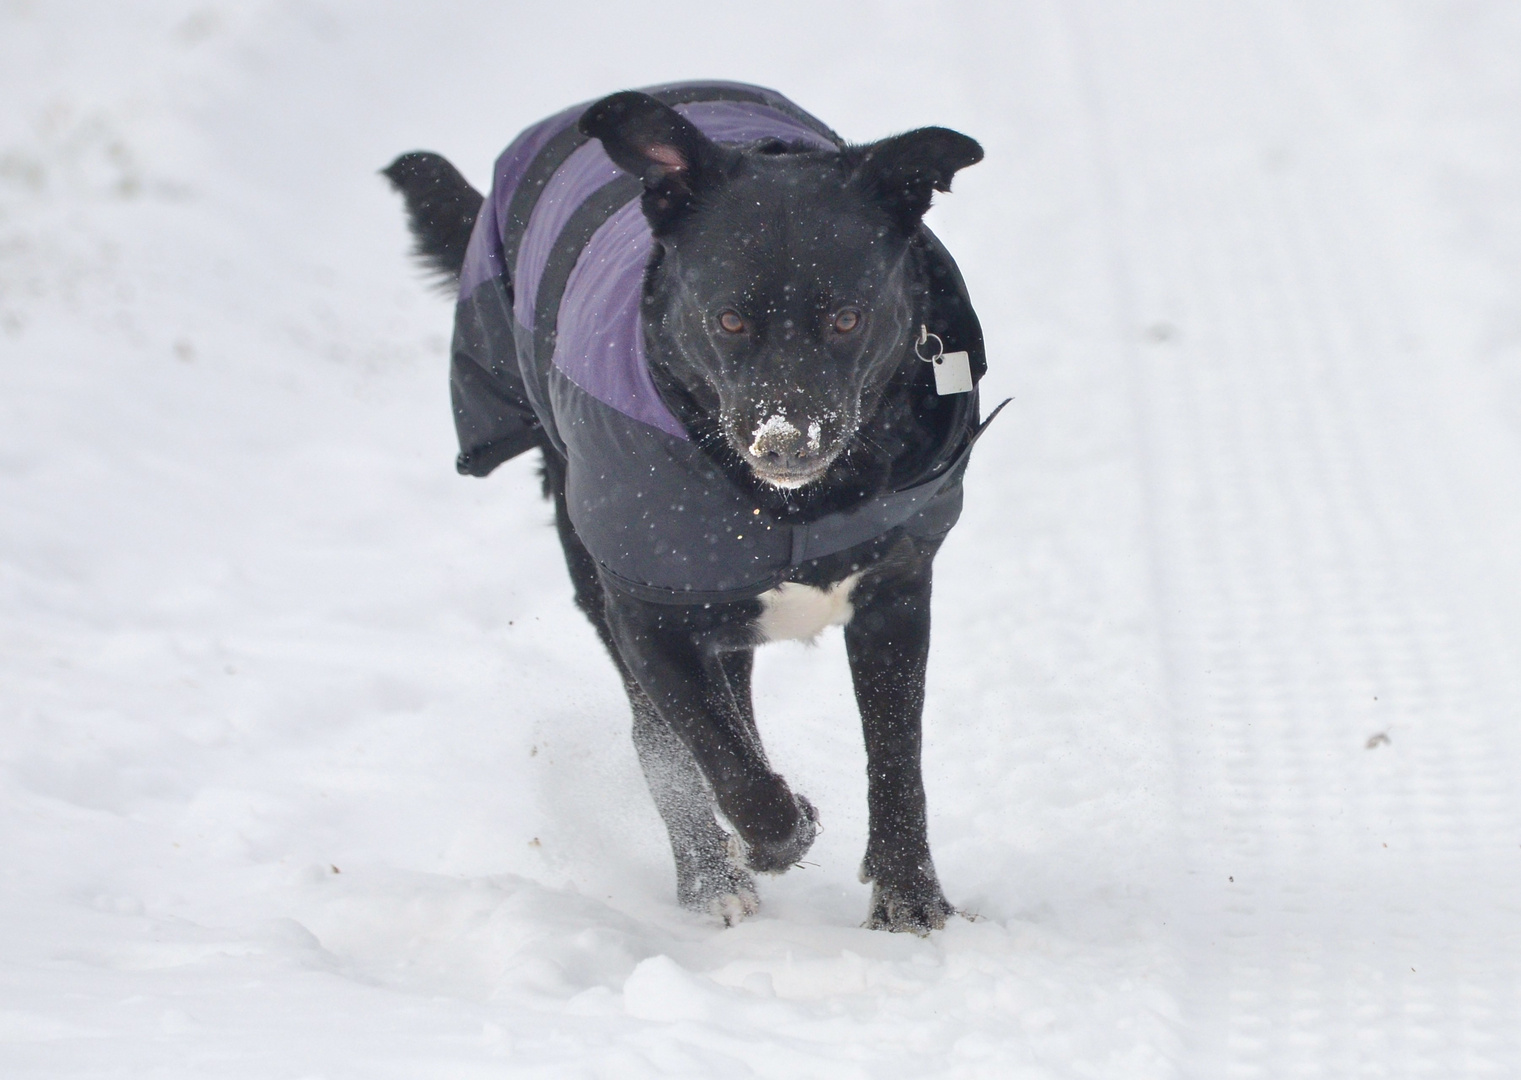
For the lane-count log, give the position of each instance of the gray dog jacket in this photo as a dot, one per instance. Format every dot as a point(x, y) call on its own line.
point(549, 347)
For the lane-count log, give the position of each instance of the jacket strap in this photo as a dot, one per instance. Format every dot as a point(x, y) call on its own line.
point(842, 531)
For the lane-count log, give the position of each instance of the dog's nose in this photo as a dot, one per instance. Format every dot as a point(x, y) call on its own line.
point(779, 442)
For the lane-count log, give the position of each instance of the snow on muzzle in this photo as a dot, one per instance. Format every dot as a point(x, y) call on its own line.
point(783, 451)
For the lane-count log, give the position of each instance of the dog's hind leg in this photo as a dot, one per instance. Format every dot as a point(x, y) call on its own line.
point(707, 880)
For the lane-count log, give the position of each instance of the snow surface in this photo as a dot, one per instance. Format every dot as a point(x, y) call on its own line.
point(308, 767)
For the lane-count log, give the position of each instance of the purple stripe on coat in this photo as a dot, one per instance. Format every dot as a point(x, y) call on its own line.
point(601, 343)
point(483, 256)
point(586, 170)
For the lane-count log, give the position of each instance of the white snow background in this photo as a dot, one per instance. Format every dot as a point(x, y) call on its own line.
point(308, 767)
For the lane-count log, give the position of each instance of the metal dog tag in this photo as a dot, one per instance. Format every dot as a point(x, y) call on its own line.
point(953, 373)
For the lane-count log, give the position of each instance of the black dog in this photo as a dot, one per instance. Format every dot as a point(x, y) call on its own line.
point(712, 316)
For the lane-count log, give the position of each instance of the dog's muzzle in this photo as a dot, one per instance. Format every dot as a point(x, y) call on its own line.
point(784, 456)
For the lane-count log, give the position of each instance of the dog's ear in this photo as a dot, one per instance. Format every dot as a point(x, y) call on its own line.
point(652, 141)
point(902, 173)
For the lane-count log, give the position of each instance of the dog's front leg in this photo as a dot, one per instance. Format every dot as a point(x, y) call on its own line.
point(675, 653)
point(887, 642)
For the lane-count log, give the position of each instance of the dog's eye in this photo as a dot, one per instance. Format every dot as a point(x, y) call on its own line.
point(846, 320)
point(731, 322)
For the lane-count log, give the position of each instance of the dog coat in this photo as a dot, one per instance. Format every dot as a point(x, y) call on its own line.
point(548, 344)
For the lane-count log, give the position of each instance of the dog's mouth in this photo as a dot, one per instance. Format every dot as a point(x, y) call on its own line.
point(788, 479)
point(782, 454)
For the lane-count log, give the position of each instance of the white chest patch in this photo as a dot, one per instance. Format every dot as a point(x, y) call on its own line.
point(793, 612)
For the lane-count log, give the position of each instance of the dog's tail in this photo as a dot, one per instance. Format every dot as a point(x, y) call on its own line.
point(441, 211)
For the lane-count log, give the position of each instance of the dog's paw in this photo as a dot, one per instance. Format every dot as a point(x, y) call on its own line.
point(724, 891)
point(735, 907)
point(778, 856)
point(914, 910)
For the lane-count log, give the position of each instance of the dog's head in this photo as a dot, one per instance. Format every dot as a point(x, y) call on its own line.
point(783, 285)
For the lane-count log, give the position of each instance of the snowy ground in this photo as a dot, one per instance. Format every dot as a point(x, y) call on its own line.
point(309, 769)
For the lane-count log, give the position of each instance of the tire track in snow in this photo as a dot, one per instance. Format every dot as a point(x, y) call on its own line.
point(1305, 547)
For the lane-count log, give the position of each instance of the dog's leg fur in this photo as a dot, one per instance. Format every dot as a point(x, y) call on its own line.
point(887, 643)
point(738, 666)
point(677, 654)
point(706, 879)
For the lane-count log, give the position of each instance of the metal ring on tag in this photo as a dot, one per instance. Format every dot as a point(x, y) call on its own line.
point(925, 335)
